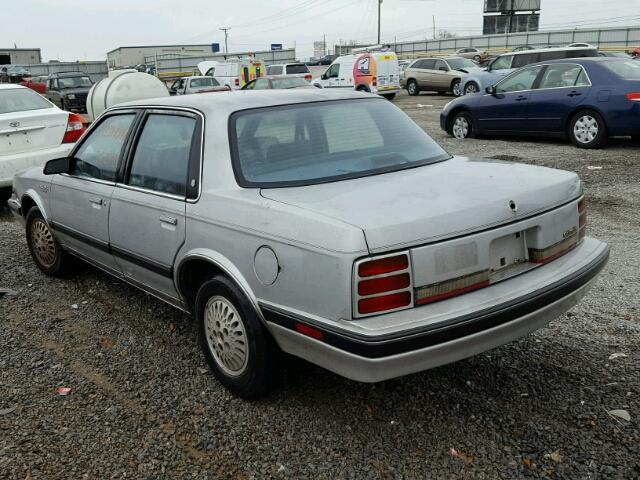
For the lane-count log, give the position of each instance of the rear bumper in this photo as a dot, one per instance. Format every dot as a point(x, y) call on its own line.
point(375, 359)
point(12, 165)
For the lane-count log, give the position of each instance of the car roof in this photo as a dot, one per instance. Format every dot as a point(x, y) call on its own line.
point(69, 74)
point(585, 60)
point(232, 101)
point(540, 50)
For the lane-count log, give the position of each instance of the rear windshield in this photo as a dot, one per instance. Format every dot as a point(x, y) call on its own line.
point(301, 68)
point(327, 141)
point(289, 82)
point(21, 100)
point(627, 69)
point(204, 82)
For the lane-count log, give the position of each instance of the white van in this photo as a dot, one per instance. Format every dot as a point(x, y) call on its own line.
point(237, 72)
point(370, 71)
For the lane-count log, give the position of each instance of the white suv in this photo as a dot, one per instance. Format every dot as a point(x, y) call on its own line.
point(295, 69)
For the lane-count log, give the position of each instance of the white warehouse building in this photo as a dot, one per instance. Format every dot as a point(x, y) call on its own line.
point(134, 55)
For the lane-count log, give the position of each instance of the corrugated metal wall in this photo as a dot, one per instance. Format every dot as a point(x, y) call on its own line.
point(605, 39)
point(172, 66)
point(96, 70)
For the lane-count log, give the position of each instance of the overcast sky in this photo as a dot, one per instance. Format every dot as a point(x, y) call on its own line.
point(87, 29)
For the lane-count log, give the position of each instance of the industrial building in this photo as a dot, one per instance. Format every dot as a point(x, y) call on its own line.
point(20, 56)
point(134, 55)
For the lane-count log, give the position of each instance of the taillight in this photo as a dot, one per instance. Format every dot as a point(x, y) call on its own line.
point(308, 77)
point(633, 96)
point(383, 285)
point(374, 82)
point(75, 128)
point(582, 219)
point(237, 82)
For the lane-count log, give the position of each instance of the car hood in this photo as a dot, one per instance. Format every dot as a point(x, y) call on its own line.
point(471, 70)
point(435, 202)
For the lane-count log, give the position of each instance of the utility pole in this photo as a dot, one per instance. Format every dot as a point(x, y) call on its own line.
point(379, 12)
point(324, 45)
point(226, 37)
point(434, 26)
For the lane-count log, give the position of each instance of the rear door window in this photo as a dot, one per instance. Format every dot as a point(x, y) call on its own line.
point(161, 159)
point(559, 76)
point(274, 70)
point(524, 59)
point(99, 153)
point(428, 64)
point(296, 69)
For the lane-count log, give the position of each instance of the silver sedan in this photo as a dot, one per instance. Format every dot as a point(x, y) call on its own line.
point(320, 223)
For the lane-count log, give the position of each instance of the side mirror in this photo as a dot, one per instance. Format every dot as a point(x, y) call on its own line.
point(491, 90)
point(59, 165)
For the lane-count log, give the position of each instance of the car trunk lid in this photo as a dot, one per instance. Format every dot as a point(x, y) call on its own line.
point(32, 130)
point(436, 202)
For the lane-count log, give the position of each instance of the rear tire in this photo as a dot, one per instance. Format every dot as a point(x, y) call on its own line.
point(46, 251)
point(239, 350)
point(62, 105)
point(412, 88)
point(588, 130)
point(462, 126)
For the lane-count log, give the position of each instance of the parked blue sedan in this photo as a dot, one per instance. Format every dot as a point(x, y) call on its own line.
point(586, 99)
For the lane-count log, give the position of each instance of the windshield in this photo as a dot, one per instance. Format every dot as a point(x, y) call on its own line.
point(21, 100)
point(627, 69)
point(289, 82)
point(322, 142)
point(460, 63)
point(73, 82)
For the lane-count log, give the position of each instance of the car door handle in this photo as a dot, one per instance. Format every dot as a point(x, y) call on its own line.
point(96, 201)
point(169, 220)
point(574, 94)
point(521, 98)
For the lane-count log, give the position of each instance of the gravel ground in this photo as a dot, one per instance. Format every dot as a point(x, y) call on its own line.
point(142, 404)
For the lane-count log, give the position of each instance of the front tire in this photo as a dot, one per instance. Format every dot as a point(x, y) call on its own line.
point(471, 88)
point(588, 130)
point(236, 345)
point(462, 126)
point(412, 88)
point(45, 250)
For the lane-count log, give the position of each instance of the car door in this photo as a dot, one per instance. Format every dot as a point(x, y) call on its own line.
point(506, 109)
point(441, 75)
point(562, 87)
point(52, 94)
point(147, 216)
point(331, 76)
point(80, 200)
point(424, 74)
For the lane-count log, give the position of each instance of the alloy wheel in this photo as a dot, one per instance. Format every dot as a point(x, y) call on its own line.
point(226, 336)
point(585, 130)
point(44, 246)
point(470, 88)
point(460, 127)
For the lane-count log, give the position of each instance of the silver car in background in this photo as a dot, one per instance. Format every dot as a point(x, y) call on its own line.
point(325, 224)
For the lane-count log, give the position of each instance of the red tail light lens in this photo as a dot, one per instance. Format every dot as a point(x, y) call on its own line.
point(374, 82)
point(308, 77)
point(384, 284)
point(377, 291)
point(633, 96)
point(75, 128)
point(237, 82)
point(384, 303)
point(384, 265)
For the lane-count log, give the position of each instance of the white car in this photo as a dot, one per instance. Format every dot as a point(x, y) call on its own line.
point(290, 69)
point(32, 131)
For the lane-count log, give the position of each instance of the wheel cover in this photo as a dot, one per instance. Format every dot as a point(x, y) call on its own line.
point(412, 87)
point(460, 128)
point(226, 336)
point(586, 129)
point(471, 88)
point(456, 89)
point(42, 243)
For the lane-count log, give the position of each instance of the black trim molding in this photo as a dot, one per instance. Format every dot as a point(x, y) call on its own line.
point(408, 341)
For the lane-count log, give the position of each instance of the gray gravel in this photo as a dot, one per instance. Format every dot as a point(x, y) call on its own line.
point(142, 404)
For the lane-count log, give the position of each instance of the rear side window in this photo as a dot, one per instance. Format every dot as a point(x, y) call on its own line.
point(525, 59)
point(274, 70)
point(21, 100)
point(98, 155)
point(627, 69)
point(161, 159)
point(428, 64)
point(294, 69)
point(559, 76)
point(203, 82)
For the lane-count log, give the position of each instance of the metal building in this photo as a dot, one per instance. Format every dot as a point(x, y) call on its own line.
point(20, 56)
point(134, 55)
point(511, 16)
